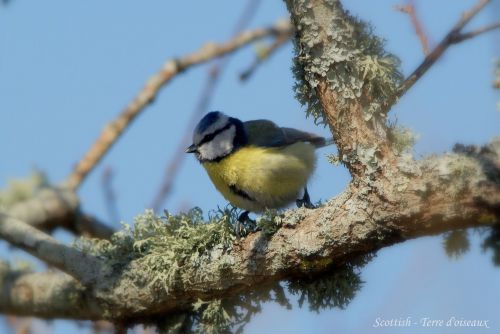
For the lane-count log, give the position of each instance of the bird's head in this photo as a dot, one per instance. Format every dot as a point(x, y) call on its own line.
point(216, 136)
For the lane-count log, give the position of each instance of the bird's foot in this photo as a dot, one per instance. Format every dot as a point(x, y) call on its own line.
point(305, 201)
point(244, 224)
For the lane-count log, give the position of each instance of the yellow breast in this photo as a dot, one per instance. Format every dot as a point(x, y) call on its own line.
point(256, 178)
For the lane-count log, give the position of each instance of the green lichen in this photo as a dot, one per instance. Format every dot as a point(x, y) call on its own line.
point(173, 248)
point(335, 288)
point(19, 190)
point(321, 263)
point(164, 245)
point(213, 318)
point(334, 46)
point(488, 218)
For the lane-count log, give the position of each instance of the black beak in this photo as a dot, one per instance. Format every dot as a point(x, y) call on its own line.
point(191, 149)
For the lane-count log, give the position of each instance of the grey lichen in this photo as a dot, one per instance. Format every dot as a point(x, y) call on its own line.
point(456, 243)
point(334, 46)
point(335, 288)
point(168, 246)
point(458, 170)
point(213, 318)
point(270, 222)
point(402, 138)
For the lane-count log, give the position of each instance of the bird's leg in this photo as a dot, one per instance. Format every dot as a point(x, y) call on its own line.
point(243, 219)
point(305, 201)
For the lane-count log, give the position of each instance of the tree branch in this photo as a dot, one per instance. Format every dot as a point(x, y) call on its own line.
point(419, 30)
point(445, 193)
point(51, 208)
point(45, 295)
point(263, 55)
point(49, 250)
point(451, 38)
point(201, 107)
point(471, 34)
point(173, 67)
point(345, 76)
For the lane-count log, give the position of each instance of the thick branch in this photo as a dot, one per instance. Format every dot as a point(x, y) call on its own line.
point(44, 247)
point(438, 194)
point(173, 67)
point(434, 200)
point(45, 295)
point(392, 197)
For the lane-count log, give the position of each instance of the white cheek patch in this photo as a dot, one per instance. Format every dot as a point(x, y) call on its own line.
point(220, 146)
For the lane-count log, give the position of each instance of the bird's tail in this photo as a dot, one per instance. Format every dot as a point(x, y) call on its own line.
point(324, 142)
point(329, 141)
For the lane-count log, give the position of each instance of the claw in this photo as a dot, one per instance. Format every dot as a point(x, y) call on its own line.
point(305, 201)
point(248, 224)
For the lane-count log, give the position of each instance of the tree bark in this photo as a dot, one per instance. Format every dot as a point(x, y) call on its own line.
point(391, 198)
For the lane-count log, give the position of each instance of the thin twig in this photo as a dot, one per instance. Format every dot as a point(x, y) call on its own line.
point(264, 54)
point(19, 325)
point(409, 9)
point(180, 152)
point(201, 107)
point(113, 130)
point(109, 194)
point(476, 32)
point(438, 51)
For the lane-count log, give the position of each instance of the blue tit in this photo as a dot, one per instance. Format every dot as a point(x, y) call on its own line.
point(256, 165)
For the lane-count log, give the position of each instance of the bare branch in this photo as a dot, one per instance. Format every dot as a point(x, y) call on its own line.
point(409, 9)
point(49, 250)
point(20, 325)
point(201, 107)
point(471, 34)
point(437, 52)
point(173, 67)
point(263, 55)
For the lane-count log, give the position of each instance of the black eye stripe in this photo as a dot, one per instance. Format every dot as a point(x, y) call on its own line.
point(212, 135)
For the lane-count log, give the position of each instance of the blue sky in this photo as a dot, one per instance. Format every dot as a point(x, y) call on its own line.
point(68, 67)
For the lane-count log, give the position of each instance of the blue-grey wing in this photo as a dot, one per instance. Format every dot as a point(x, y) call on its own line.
point(265, 133)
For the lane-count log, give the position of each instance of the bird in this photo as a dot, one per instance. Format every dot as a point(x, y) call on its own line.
point(256, 165)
